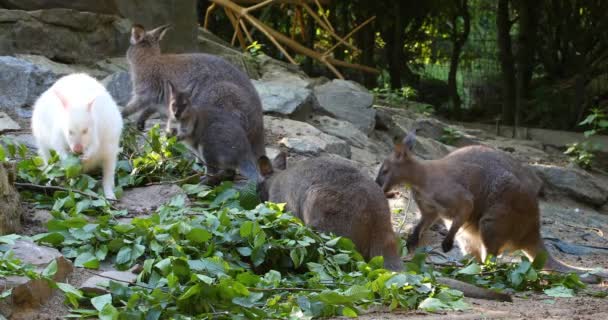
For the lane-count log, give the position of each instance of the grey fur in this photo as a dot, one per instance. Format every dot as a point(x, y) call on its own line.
point(330, 195)
point(217, 134)
point(210, 79)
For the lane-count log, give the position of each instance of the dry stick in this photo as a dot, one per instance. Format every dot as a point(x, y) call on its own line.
point(407, 208)
point(350, 34)
point(332, 68)
point(242, 23)
point(237, 29)
point(178, 181)
point(261, 27)
point(210, 9)
point(324, 17)
point(277, 36)
point(259, 5)
point(328, 28)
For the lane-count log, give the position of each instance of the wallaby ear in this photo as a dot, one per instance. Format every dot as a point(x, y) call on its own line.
point(265, 166)
point(62, 98)
point(137, 33)
point(280, 162)
point(90, 104)
point(410, 140)
point(159, 32)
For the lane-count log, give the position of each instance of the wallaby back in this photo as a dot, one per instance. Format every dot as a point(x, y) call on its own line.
point(331, 195)
point(484, 193)
point(206, 77)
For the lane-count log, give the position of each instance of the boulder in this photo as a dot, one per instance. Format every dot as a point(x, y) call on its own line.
point(302, 138)
point(286, 97)
point(10, 205)
point(24, 80)
point(97, 6)
point(7, 123)
point(147, 199)
point(435, 129)
point(61, 69)
point(119, 86)
point(573, 183)
point(63, 34)
point(27, 293)
point(211, 44)
point(341, 129)
point(181, 14)
point(347, 100)
point(98, 284)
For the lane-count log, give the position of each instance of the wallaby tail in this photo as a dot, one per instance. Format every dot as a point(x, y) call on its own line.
point(471, 291)
point(555, 265)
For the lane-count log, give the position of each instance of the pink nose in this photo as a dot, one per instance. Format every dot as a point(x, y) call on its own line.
point(78, 148)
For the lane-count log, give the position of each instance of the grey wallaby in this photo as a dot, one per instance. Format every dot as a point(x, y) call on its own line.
point(208, 78)
point(332, 196)
point(484, 193)
point(216, 134)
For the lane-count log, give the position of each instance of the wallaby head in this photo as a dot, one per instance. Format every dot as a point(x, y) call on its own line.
point(145, 43)
point(179, 102)
point(267, 170)
point(78, 120)
point(397, 168)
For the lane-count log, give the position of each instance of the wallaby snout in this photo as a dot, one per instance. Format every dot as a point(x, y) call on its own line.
point(397, 166)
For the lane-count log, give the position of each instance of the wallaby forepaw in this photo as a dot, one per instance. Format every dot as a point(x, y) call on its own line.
point(412, 243)
point(447, 245)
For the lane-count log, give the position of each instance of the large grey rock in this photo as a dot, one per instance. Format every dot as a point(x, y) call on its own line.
point(574, 183)
point(437, 130)
point(27, 293)
point(98, 284)
point(302, 138)
point(341, 129)
point(181, 14)
point(211, 44)
point(147, 199)
point(346, 100)
point(61, 69)
point(286, 96)
point(10, 205)
point(22, 82)
point(98, 6)
point(119, 86)
point(63, 34)
point(7, 123)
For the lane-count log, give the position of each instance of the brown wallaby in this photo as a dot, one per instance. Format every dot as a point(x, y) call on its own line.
point(332, 196)
point(485, 193)
point(208, 78)
point(216, 135)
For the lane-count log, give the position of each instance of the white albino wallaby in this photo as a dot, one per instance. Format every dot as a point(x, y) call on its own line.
point(488, 199)
point(78, 115)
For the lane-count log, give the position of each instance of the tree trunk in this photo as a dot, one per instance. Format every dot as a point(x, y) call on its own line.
point(458, 42)
point(525, 56)
point(505, 56)
point(310, 30)
point(394, 48)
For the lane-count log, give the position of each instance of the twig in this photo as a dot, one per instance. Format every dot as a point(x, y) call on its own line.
point(32, 186)
point(284, 289)
point(179, 181)
point(407, 208)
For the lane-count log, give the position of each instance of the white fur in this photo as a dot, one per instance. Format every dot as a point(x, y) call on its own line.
point(89, 117)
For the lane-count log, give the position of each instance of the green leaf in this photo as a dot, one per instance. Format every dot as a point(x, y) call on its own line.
point(50, 269)
point(124, 255)
point(559, 292)
point(2, 154)
point(246, 229)
point(195, 289)
point(433, 305)
point(108, 313)
point(471, 269)
point(9, 238)
point(66, 288)
point(52, 238)
point(348, 312)
point(199, 235)
point(87, 260)
point(100, 302)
